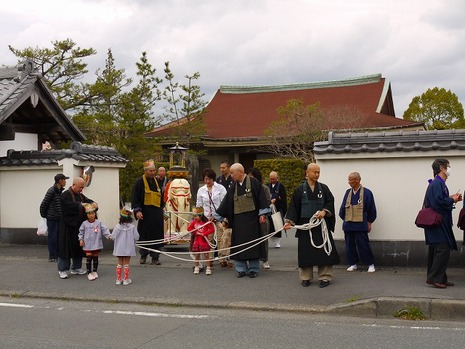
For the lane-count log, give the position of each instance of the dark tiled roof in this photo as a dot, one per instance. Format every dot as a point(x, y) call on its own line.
point(27, 105)
point(77, 151)
point(247, 111)
point(374, 142)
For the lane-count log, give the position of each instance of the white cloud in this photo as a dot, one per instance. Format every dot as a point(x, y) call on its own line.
point(415, 44)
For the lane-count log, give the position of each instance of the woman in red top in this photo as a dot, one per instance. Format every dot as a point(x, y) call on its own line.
point(200, 229)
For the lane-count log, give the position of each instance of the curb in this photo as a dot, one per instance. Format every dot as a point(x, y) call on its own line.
point(382, 307)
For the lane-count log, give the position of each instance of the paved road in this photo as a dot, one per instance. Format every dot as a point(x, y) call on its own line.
point(39, 323)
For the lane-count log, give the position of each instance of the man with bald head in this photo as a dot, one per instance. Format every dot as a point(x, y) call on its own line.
point(314, 199)
point(72, 215)
point(279, 199)
point(358, 211)
point(161, 177)
point(245, 206)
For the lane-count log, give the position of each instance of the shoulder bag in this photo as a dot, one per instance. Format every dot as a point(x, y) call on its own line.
point(427, 217)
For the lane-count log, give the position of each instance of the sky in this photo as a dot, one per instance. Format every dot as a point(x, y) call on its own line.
point(415, 44)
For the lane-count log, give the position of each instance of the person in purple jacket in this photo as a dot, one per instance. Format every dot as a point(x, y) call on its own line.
point(358, 211)
point(90, 239)
point(125, 236)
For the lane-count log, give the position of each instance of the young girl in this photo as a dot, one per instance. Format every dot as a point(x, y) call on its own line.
point(227, 231)
point(90, 239)
point(200, 229)
point(125, 236)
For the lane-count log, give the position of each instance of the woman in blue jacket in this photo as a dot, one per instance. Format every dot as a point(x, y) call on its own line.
point(440, 239)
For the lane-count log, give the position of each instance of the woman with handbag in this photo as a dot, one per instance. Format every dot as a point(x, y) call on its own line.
point(440, 239)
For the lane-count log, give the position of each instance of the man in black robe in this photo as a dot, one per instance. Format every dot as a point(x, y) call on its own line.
point(313, 198)
point(279, 199)
point(147, 203)
point(245, 207)
point(72, 216)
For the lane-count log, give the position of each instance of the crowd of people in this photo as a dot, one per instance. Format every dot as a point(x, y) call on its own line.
point(232, 222)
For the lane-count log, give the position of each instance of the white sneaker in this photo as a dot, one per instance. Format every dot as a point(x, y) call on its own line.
point(63, 274)
point(79, 271)
point(127, 282)
point(208, 271)
point(196, 270)
point(371, 268)
point(95, 274)
point(266, 265)
point(119, 282)
point(277, 244)
point(352, 267)
point(91, 277)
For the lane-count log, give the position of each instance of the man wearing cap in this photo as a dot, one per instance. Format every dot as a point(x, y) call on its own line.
point(72, 216)
point(147, 204)
point(50, 208)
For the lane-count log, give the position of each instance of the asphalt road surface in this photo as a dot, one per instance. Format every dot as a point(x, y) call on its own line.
point(39, 323)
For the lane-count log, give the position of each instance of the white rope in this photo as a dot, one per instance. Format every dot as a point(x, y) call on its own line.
point(172, 254)
point(314, 222)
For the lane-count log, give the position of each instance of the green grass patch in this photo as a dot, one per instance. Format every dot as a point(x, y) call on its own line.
point(410, 313)
point(353, 299)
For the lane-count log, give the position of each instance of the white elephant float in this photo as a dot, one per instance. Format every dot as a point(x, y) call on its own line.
point(177, 204)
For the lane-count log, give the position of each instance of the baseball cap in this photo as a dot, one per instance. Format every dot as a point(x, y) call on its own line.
point(60, 176)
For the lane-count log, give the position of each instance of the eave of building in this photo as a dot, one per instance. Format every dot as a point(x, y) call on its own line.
point(41, 114)
point(391, 141)
point(362, 80)
point(82, 153)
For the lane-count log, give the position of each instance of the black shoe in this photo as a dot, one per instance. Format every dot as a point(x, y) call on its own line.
point(241, 274)
point(253, 274)
point(155, 261)
point(143, 260)
point(305, 283)
point(324, 283)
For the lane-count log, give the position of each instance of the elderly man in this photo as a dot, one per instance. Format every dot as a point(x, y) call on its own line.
point(279, 199)
point(245, 207)
point(358, 211)
point(147, 204)
point(161, 177)
point(313, 199)
point(72, 215)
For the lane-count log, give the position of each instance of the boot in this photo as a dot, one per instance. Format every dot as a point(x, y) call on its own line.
point(126, 280)
point(119, 270)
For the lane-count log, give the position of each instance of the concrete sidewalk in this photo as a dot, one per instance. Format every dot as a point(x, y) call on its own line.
point(27, 273)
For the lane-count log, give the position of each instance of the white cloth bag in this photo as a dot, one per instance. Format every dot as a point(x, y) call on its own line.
point(42, 227)
point(277, 219)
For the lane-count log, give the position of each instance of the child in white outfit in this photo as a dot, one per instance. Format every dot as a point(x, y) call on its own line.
point(90, 239)
point(125, 236)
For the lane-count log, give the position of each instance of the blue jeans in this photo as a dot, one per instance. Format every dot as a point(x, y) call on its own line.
point(247, 265)
point(64, 264)
point(52, 239)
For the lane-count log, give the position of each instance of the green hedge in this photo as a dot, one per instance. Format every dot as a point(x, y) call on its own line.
point(291, 172)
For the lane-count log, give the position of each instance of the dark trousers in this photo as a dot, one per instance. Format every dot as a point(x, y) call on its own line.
point(144, 253)
point(52, 238)
point(438, 259)
point(358, 240)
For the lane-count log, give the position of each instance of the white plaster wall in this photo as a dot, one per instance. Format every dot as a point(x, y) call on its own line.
point(398, 182)
point(22, 191)
point(104, 189)
point(21, 141)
